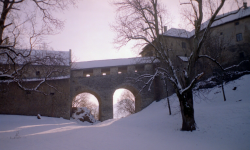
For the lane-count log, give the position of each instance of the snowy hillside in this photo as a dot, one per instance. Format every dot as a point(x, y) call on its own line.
point(221, 126)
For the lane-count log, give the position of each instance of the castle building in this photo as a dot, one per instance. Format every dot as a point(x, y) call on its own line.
point(228, 42)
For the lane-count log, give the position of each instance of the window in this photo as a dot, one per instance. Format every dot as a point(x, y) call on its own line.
point(37, 73)
point(239, 37)
point(183, 45)
point(237, 23)
point(242, 55)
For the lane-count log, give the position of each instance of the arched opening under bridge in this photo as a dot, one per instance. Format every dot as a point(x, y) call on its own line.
point(126, 101)
point(88, 100)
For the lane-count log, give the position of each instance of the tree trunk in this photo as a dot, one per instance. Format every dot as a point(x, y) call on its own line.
point(7, 6)
point(187, 111)
point(222, 86)
point(169, 108)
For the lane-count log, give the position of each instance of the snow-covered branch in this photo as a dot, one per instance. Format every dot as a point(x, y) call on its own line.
point(175, 75)
point(148, 82)
point(235, 66)
point(219, 65)
point(192, 83)
point(32, 89)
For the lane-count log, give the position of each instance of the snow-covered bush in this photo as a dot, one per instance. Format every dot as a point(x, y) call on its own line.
point(83, 114)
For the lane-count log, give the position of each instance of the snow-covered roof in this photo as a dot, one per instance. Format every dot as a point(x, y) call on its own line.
point(111, 63)
point(186, 34)
point(62, 57)
point(177, 33)
point(241, 14)
point(36, 79)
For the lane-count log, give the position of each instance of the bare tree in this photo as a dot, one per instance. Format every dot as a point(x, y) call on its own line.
point(125, 105)
point(23, 26)
point(95, 112)
point(82, 100)
point(142, 20)
point(40, 66)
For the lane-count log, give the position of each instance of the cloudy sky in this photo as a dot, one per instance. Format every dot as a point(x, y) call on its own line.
point(87, 31)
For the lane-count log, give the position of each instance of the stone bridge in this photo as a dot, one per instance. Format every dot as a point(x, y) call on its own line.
point(102, 78)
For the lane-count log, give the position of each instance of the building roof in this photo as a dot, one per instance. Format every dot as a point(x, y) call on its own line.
point(174, 32)
point(182, 33)
point(110, 63)
point(63, 57)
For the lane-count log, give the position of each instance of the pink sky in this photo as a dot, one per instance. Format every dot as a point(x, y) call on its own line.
point(87, 31)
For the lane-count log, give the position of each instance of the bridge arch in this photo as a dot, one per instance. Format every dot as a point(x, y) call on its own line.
point(135, 91)
point(84, 89)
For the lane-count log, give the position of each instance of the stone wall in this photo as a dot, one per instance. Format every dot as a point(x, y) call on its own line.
point(16, 101)
point(103, 86)
point(223, 46)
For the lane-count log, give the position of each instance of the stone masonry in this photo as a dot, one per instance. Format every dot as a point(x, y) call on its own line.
point(104, 86)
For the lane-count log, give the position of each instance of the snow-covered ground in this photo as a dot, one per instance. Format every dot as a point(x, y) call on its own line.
point(220, 126)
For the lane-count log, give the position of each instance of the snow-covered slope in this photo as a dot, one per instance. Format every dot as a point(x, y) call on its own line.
point(221, 126)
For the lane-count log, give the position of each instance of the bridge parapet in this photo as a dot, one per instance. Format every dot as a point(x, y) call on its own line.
point(114, 70)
